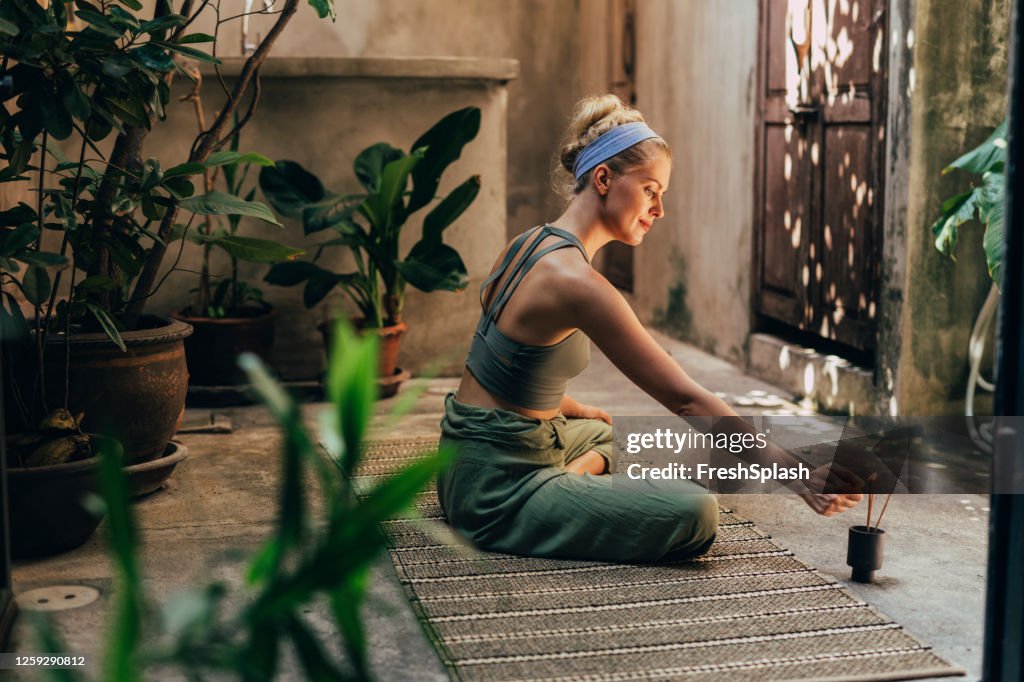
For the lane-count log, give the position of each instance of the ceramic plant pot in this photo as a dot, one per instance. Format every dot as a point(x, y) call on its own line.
point(147, 477)
point(213, 349)
point(864, 552)
point(136, 396)
point(48, 511)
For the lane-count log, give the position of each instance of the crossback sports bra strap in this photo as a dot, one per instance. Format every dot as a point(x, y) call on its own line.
point(530, 260)
point(516, 269)
point(571, 237)
point(509, 255)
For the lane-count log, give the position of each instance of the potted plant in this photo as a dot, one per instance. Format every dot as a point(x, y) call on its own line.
point(369, 225)
point(985, 201)
point(82, 73)
point(229, 316)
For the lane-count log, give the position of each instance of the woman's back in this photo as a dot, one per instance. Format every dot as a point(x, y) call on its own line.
point(524, 348)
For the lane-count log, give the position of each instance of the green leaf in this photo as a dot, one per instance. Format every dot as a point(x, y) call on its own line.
point(989, 155)
point(311, 654)
point(17, 239)
point(289, 188)
point(994, 243)
point(133, 4)
point(56, 118)
point(7, 28)
point(222, 203)
point(446, 212)
point(153, 57)
point(223, 158)
point(444, 142)
point(351, 388)
point(36, 285)
point(100, 23)
point(291, 273)
point(991, 212)
point(253, 250)
point(318, 285)
point(163, 23)
point(198, 55)
point(196, 38)
point(333, 211)
point(345, 607)
point(433, 265)
point(75, 101)
point(119, 17)
point(370, 164)
point(40, 258)
point(379, 207)
point(120, 660)
point(108, 324)
point(956, 211)
point(182, 188)
point(323, 8)
point(185, 169)
point(131, 111)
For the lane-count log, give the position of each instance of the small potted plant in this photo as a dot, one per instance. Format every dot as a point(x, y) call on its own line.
point(229, 316)
point(370, 224)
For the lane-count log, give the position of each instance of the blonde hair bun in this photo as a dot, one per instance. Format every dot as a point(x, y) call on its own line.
point(591, 118)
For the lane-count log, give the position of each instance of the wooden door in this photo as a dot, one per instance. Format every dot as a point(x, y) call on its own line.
point(820, 143)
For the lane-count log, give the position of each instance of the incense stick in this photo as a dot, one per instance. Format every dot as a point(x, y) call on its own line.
point(871, 501)
point(884, 506)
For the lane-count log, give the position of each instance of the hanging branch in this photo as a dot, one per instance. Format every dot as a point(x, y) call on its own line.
point(206, 143)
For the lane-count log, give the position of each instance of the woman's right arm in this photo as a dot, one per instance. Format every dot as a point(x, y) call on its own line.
point(604, 315)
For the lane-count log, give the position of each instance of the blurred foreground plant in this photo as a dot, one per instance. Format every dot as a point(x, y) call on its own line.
point(305, 559)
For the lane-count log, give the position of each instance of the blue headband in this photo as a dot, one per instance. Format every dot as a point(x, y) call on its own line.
point(609, 144)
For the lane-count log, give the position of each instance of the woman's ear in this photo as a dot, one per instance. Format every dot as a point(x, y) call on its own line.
point(602, 179)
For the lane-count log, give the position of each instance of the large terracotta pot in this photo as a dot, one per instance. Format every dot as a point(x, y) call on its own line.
point(213, 349)
point(136, 396)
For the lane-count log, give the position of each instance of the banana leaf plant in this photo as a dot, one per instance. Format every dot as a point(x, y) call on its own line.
point(986, 200)
point(370, 224)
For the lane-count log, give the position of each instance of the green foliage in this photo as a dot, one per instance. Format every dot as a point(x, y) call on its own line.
point(986, 200)
point(370, 224)
point(305, 558)
point(231, 297)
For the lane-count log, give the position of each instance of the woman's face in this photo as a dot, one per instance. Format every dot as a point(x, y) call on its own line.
point(633, 200)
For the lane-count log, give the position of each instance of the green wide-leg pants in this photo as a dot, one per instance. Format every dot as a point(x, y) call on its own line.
point(508, 491)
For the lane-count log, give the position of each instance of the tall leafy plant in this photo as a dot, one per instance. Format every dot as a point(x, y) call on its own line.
point(369, 225)
point(986, 201)
point(305, 559)
point(83, 73)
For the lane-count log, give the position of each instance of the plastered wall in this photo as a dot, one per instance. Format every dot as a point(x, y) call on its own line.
point(696, 84)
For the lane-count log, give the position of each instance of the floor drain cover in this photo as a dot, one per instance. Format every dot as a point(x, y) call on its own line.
point(57, 598)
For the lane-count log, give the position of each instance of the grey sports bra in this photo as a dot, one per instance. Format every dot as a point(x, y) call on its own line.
point(532, 377)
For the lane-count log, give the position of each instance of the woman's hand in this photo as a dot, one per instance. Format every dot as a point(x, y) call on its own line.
point(830, 504)
point(589, 412)
point(577, 410)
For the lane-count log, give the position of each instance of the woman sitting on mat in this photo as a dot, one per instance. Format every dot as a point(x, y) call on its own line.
point(529, 475)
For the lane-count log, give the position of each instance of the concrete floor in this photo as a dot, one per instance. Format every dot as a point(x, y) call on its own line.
point(933, 580)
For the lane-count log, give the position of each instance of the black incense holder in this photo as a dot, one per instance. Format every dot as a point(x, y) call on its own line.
point(864, 552)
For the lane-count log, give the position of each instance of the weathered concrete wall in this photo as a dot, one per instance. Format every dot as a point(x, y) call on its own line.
point(322, 120)
point(957, 94)
point(543, 35)
point(696, 85)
